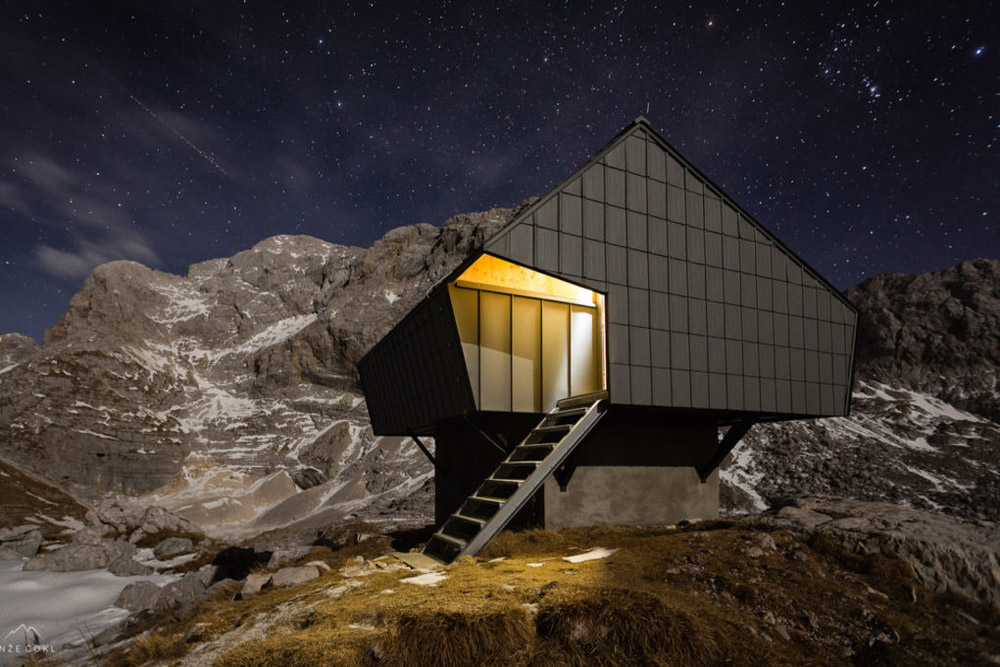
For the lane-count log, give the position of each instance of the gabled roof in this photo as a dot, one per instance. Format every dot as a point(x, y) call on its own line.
point(707, 310)
point(641, 126)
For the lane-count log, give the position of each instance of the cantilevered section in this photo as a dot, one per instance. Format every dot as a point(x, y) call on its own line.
point(637, 278)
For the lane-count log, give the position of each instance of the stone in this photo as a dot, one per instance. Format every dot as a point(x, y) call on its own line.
point(127, 567)
point(280, 557)
point(173, 546)
point(185, 594)
point(19, 542)
point(71, 558)
point(254, 583)
point(294, 576)
point(323, 567)
point(140, 596)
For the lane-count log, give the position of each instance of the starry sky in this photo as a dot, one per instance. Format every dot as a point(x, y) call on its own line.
point(864, 134)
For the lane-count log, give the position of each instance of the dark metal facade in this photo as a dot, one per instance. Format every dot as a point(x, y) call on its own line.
point(415, 377)
point(706, 308)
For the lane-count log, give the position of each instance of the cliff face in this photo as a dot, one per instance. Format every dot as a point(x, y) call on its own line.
point(938, 333)
point(231, 391)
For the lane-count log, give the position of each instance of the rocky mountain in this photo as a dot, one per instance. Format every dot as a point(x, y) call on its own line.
point(230, 394)
point(924, 428)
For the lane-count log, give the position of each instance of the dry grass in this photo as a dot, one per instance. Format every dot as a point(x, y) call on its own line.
point(668, 596)
point(154, 646)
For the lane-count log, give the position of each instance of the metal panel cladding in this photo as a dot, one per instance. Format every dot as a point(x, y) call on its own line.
point(706, 308)
point(416, 377)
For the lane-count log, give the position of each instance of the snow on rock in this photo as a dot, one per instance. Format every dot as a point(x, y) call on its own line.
point(897, 444)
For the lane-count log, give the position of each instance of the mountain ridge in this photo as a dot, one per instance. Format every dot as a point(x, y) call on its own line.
point(230, 394)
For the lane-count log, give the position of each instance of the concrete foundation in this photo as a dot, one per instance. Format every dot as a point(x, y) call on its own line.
point(636, 467)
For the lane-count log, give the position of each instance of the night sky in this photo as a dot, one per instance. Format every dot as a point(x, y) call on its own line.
point(865, 135)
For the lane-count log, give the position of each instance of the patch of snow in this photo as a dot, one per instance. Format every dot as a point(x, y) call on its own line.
point(922, 445)
point(741, 474)
point(429, 579)
point(8, 368)
point(96, 435)
point(594, 554)
point(71, 524)
point(37, 497)
point(276, 333)
point(391, 296)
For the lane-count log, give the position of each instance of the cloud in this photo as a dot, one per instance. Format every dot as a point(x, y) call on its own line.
point(86, 254)
point(12, 197)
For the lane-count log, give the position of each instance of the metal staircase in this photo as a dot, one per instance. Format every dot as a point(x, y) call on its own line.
point(485, 513)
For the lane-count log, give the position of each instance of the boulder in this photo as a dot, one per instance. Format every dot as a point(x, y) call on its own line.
point(71, 558)
point(90, 554)
point(126, 516)
point(254, 583)
point(281, 556)
point(323, 566)
point(157, 519)
point(20, 542)
point(127, 567)
point(173, 546)
point(188, 591)
point(294, 576)
point(141, 596)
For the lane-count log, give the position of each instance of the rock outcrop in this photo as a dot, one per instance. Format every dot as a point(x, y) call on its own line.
point(19, 542)
point(947, 554)
point(937, 333)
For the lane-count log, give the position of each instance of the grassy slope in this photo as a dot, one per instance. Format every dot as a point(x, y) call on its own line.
point(710, 594)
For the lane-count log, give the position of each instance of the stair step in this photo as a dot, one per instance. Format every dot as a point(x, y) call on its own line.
point(481, 508)
point(530, 454)
point(519, 470)
point(560, 429)
point(583, 399)
point(444, 548)
point(462, 527)
point(568, 412)
point(496, 488)
point(552, 435)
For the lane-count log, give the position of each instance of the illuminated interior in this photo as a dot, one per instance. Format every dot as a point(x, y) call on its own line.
point(529, 339)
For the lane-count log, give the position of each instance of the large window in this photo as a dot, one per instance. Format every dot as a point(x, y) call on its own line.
point(529, 339)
